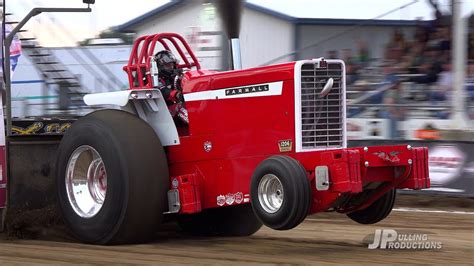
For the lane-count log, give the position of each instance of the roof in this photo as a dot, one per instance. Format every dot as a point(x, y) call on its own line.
point(330, 21)
point(127, 26)
point(353, 22)
point(174, 4)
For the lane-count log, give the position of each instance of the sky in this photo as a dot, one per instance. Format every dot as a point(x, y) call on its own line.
point(108, 13)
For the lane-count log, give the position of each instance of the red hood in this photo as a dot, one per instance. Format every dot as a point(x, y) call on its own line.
point(202, 80)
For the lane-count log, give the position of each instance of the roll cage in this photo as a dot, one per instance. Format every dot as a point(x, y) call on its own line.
point(139, 68)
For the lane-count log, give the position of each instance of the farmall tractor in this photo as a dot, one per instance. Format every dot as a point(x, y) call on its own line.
point(263, 145)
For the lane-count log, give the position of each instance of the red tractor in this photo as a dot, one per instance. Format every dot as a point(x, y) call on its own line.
point(263, 145)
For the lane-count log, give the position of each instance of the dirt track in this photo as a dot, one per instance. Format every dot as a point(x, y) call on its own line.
point(326, 238)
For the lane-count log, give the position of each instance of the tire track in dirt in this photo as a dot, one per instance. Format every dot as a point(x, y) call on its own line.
point(325, 238)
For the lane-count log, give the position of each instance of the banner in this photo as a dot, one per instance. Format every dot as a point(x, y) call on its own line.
point(451, 164)
point(15, 49)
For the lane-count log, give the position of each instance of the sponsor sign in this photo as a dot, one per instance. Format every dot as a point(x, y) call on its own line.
point(231, 198)
point(445, 164)
point(15, 49)
point(44, 127)
point(285, 145)
point(221, 200)
point(207, 146)
point(358, 128)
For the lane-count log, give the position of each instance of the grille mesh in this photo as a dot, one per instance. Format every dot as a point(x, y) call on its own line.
point(321, 117)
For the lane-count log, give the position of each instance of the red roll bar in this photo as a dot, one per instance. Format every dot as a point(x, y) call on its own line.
point(139, 63)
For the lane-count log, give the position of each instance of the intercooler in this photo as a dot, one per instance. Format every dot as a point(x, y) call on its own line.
point(321, 113)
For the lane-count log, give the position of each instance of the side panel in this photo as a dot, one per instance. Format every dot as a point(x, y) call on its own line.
point(3, 176)
point(3, 172)
point(31, 183)
point(228, 180)
point(232, 129)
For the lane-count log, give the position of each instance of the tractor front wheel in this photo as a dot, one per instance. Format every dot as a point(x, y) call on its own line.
point(280, 192)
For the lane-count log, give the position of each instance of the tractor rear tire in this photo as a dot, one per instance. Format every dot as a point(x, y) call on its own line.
point(128, 204)
point(280, 192)
point(377, 211)
point(238, 220)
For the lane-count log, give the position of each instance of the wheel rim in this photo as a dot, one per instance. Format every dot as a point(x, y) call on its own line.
point(86, 181)
point(270, 193)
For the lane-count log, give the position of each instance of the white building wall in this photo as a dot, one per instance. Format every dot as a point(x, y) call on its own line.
point(264, 37)
point(175, 21)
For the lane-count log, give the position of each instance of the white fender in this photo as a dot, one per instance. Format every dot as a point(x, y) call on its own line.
point(149, 105)
point(119, 98)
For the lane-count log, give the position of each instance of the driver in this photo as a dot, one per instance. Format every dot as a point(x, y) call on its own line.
point(170, 84)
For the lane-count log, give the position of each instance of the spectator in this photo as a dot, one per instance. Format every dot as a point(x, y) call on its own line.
point(399, 39)
point(421, 33)
point(470, 90)
point(435, 39)
point(390, 79)
point(415, 58)
point(393, 113)
point(430, 68)
point(444, 85)
point(471, 44)
point(362, 53)
point(351, 66)
point(445, 39)
point(333, 55)
point(470, 82)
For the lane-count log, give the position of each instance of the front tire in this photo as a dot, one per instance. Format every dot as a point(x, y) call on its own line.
point(377, 211)
point(280, 192)
point(112, 178)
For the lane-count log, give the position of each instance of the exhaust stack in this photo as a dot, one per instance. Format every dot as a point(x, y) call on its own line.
point(236, 55)
point(230, 12)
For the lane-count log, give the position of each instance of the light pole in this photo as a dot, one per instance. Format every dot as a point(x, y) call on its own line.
point(459, 55)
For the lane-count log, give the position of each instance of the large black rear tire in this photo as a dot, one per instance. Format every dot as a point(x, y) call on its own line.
point(236, 220)
point(377, 211)
point(285, 179)
point(136, 178)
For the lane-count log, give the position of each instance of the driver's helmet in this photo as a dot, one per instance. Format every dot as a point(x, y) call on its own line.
point(166, 62)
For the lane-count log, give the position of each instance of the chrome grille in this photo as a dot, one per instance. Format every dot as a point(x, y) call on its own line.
point(322, 117)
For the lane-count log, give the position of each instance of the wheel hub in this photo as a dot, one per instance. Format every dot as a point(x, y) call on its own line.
point(270, 193)
point(86, 181)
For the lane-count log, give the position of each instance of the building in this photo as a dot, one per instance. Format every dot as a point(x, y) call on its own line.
point(266, 36)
